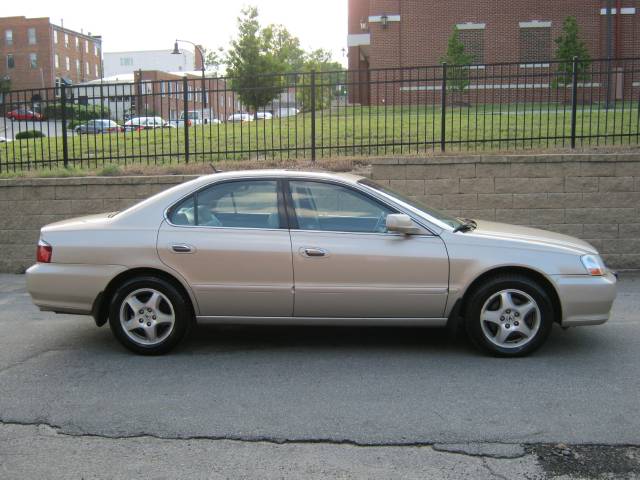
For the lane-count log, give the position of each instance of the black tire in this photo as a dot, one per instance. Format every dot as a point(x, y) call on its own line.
point(482, 293)
point(182, 311)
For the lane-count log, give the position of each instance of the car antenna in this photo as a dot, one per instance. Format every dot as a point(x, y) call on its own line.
point(215, 170)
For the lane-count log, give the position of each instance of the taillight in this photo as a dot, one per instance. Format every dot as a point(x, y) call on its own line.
point(44, 252)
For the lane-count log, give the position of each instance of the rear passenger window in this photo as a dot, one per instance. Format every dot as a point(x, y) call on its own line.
point(242, 204)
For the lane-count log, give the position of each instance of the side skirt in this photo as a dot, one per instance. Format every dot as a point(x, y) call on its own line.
point(329, 321)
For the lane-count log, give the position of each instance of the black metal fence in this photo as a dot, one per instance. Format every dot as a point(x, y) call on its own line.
point(505, 106)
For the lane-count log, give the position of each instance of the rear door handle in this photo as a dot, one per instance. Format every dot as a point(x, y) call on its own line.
point(313, 252)
point(182, 248)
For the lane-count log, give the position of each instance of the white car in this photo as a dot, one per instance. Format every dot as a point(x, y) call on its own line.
point(286, 112)
point(264, 116)
point(196, 117)
point(146, 123)
point(4, 140)
point(240, 117)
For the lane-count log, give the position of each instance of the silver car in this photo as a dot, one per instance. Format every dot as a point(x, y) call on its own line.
point(289, 247)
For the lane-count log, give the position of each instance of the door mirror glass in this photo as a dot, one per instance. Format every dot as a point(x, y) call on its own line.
point(401, 223)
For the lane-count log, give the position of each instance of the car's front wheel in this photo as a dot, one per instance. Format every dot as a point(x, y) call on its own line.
point(148, 315)
point(509, 315)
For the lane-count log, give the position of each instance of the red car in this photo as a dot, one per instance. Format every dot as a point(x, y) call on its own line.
point(23, 114)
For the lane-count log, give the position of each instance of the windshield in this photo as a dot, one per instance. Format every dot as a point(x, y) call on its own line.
point(412, 202)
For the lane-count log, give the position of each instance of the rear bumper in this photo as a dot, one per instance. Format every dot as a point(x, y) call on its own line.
point(68, 288)
point(585, 299)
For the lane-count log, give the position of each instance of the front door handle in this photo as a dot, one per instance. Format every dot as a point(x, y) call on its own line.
point(182, 248)
point(313, 252)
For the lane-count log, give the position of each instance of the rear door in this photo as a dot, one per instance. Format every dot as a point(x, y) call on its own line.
point(346, 264)
point(231, 243)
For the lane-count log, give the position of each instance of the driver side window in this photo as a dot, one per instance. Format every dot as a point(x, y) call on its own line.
point(330, 207)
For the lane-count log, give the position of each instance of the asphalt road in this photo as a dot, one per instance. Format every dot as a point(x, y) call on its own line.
point(391, 390)
point(9, 129)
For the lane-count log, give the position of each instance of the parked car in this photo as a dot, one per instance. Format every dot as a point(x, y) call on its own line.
point(286, 112)
point(5, 140)
point(146, 123)
point(98, 126)
point(290, 247)
point(263, 116)
point(196, 117)
point(24, 114)
point(240, 117)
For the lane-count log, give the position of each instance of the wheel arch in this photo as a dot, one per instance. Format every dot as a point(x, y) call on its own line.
point(518, 270)
point(100, 310)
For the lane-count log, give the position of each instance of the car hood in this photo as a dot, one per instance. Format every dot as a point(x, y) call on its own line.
point(79, 222)
point(534, 236)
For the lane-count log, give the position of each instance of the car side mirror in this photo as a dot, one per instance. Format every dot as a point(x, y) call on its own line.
point(399, 222)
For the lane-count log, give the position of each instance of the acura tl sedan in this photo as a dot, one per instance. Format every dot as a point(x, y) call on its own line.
point(290, 247)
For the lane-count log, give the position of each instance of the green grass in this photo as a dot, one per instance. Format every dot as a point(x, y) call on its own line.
point(352, 131)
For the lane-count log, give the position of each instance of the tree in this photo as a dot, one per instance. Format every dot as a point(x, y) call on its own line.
point(327, 84)
point(284, 47)
point(457, 61)
point(213, 59)
point(255, 62)
point(570, 45)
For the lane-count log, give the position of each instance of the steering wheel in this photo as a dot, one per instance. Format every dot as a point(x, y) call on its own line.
point(381, 224)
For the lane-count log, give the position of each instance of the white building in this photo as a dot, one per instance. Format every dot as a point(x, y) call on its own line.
point(118, 63)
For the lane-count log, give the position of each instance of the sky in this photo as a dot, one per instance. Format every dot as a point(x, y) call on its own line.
point(155, 24)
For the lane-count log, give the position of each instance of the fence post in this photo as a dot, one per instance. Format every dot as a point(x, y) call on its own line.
point(574, 100)
point(185, 116)
point(63, 113)
point(313, 115)
point(443, 109)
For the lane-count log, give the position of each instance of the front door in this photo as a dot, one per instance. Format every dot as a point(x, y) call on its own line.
point(231, 244)
point(347, 265)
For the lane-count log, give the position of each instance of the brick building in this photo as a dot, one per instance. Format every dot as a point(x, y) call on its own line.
point(410, 33)
point(156, 93)
point(34, 53)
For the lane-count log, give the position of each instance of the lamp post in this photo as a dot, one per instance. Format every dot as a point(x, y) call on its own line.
point(176, 51)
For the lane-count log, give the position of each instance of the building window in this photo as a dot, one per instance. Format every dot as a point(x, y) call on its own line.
point(11, 63)
point(86, 46)
point(68, 64)
point(8, 37)
point(66, 40)
point(33, 60)
point(473, 41)
point(126, 61)
point(57, 61)
point(78, 70)
point(31, 36)
point(95, 49)
point(535, 42)
point(55, 36)
point(77, 43)
point(97, 71)
point(86, 68)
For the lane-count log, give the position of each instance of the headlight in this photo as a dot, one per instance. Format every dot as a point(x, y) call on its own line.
point(594, 265)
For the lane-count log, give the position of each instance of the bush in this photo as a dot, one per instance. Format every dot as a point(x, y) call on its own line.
point(29, 134)
point(75, 112)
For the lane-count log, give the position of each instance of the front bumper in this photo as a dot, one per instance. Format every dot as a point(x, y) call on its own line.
point(68, 288)
point(585, 299)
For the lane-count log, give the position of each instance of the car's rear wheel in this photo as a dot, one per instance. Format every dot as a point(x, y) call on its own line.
point(148, 315)
point(509, 315)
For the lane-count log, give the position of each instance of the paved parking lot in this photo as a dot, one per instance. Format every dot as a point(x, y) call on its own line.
point(9, 129)
point(327, 401)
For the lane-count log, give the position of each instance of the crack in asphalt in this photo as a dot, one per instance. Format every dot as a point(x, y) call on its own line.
point(492, 471)
point(441, 448)
point(27, 359)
